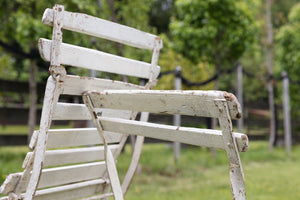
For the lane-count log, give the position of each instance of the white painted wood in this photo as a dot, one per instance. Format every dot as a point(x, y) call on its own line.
point(235, 168)
point(113, 175)
point(133, 164)
point(10, 183)
point(135, 157)
point(70, 174)
point(76, 85)
point(193, 136)
point(33, 140)
point(194, 103)
point(109, 158)
point(59, 138)
point(51, 97)
point(58, 19)
point(72, 111)
point(75, 155)
point(105, 29)
point(96, 60)
point(71, 191)
point(24, 180)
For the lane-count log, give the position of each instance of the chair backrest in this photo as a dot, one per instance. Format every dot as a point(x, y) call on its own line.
point(68, 163)
point(214, 104)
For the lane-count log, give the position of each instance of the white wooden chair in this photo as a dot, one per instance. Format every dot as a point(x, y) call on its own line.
point(63, 164)
point(68, 163)
point(214, 104)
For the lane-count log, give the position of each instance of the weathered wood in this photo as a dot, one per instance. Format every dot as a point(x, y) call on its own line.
point(105, 29)
point(35, 175)
point(109, 158)
point(193, 136)
point(235, 168)
point(194, 103)
point(59, 138)
point(71, 174)
point(10, 183)
point(71, 191)
point(74, 155)
point(51, 97)
point(76, 85)
point(113, 175)
point(96, 60)
point(71, 111)
point(135, 156)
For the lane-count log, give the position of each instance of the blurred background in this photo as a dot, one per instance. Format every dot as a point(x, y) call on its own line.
point(248, 47)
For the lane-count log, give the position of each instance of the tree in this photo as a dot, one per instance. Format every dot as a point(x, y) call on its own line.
point(288, 53)
point(214, 31)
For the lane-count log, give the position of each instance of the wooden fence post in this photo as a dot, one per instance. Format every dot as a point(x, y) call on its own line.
point(177, 118)
point(286, 113)
point(240, 122)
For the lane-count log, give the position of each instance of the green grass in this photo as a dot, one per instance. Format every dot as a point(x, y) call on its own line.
point(17, 129)
point(23, 129)
point(198, 174)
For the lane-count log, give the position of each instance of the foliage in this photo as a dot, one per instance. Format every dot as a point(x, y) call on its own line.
point(214, 31)
point(288, 52)
point(21, 28)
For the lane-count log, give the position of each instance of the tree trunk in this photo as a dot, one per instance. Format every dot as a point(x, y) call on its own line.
point(269, 64)
point(32, 92)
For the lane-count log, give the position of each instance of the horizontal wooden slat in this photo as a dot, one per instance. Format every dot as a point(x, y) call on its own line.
point(76, 85)
point(105, 29)
point(194, 103)
point(193, 136)
point(96, 60)
point(71, 174)
point(75, 155)
point(58, 138)
point(72, 191)
point(70, 111)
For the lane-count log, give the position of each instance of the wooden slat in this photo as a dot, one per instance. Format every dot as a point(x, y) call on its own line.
point(74, 155)
point(70, 111)
point(72, 191)
point(193, 136)
point(10, 183)
point(76, 85)
point(71, 174)
point(194, 103)
point(58, 138)
point(105, 29)
point(113, 175)
point(96, 60)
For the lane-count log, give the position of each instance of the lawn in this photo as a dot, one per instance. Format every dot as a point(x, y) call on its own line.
point(198, 174)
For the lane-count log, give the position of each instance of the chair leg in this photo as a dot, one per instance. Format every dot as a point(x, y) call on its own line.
point(51, 97)
point(109, 158)
point(235, 166)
